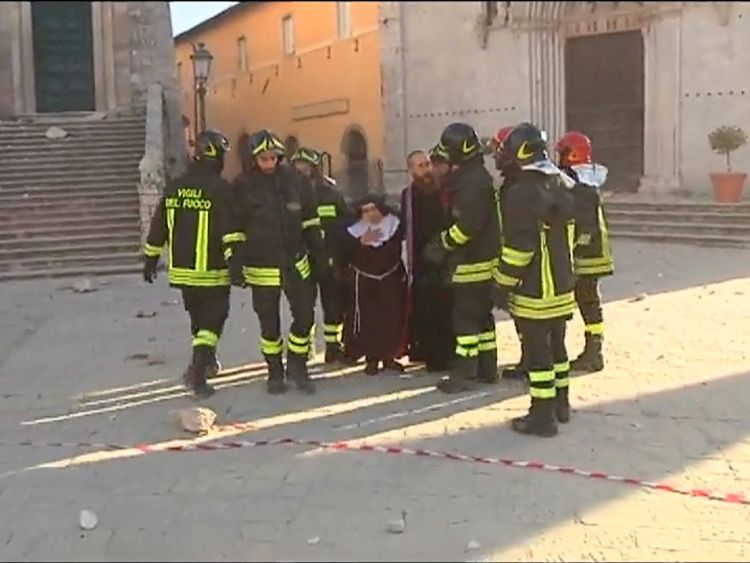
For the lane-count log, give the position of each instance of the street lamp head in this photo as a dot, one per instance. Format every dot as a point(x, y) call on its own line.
point(201, 58)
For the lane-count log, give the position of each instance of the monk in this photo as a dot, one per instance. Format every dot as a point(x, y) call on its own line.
point(376, 286)
point(426, 214)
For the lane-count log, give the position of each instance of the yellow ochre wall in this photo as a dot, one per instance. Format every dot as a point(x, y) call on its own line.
point(329, 86)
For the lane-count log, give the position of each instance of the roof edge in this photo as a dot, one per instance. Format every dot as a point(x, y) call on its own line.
point(213, 20)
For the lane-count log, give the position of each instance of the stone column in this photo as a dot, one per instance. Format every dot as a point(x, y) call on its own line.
point(662, 97)
point(395, 113)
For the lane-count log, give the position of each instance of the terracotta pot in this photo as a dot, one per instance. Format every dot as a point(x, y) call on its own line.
point(728, 186)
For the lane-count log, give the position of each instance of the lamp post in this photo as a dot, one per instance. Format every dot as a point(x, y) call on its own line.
point(202, 59)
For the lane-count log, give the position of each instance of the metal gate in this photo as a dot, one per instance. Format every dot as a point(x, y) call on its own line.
point(604, 99)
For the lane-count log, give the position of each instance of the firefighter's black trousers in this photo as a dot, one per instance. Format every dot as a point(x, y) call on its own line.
point(208, 308)
point(266, 303)
point(546, 357)
point(474, 326)
point(590, 304)
point(333, 313)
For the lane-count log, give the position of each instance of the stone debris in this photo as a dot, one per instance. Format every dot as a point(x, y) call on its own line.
point(56, 133)
point(397, 525)
point(144, 315)
point(83, 286)
point(639, 297)
point(88, 519)
point(473, 545)
point(155, 360)
point(139, 356)
point(197, 420)
point(313, 541)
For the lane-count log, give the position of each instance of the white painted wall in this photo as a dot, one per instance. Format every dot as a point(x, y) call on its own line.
point(715, 73)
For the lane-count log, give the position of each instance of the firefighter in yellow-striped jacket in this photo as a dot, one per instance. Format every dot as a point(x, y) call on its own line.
point(534, 278)
point(333, 214)
point(192, 220)
point(593, 252)
point(470, 248)
point(274, 206)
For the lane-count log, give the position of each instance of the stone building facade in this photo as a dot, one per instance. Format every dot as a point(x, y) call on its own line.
point(61, 57)
point(647, 81)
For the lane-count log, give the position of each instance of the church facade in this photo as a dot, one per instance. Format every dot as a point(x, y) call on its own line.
point(62, 57)
point(648, 81)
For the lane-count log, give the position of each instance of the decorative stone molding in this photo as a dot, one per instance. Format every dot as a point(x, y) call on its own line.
point(152, 168)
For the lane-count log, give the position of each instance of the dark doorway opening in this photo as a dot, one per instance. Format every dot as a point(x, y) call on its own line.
point(63, 56)
point(604, 99)
point(357, 165)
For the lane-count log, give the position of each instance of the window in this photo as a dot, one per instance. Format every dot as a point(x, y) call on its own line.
point(242, 54)
point(287, 34)
point(344, 19)
point(179, 75)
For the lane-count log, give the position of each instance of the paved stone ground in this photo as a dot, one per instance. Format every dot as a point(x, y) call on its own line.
point(672, 405)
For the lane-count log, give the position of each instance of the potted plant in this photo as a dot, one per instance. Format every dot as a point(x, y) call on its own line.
point(727, 185)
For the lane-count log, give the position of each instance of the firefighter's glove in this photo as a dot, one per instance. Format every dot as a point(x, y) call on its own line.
point(435, 252)
point(235, 273)
point(500, 296)
point(149, 268)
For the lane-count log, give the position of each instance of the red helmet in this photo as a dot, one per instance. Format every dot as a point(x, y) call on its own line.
point(574, 148)
point(501, 136)
point(501, 159)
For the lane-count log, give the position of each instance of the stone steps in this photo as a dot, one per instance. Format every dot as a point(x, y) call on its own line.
point(70, 207)
point(31, 218)
point(72, 198)
point(53, 251)
point(687, 222)
point(74, 227)
point(57, 181)
point(60, 267)
point(88, 167)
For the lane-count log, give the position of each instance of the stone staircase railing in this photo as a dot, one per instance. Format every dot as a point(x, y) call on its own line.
point(152, 166)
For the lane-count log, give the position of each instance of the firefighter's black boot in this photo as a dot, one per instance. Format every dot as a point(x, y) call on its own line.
point(515, 372)
point(519, 371)
point(296, 370)
point(275, 384)
point(540, 420)
point(487, 367)
point(462, 376)
point(202, 364)
point(591, 359)
point(372, 367)
point(334, 354)
point(562, 405)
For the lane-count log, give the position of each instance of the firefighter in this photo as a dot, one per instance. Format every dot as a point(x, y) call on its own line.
point(192, 218)
point(508, 175)
point(534, 278)
point(470, 247)
point(593, 253)
point(275, 208)
point(333, 214)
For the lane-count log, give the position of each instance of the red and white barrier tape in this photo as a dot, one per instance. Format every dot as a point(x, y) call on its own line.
point(733, 498)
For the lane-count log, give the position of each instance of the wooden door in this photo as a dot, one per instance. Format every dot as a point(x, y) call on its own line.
point(604, 99)
point(63, 56)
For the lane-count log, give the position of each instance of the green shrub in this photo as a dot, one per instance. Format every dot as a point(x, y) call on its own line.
point(727, 139)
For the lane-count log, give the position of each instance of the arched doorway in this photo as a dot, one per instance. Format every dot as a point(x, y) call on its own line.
point(354, 148)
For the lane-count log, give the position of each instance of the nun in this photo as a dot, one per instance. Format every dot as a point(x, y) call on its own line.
point(374, 324)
